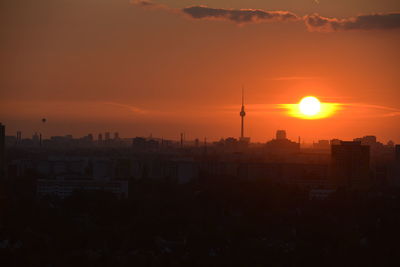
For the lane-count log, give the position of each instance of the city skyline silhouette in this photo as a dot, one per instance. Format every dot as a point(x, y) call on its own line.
point(207, 133)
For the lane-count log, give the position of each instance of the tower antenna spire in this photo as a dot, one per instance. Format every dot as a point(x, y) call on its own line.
point(242, 95)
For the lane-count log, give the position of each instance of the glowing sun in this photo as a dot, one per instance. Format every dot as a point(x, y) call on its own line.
point(310, 106)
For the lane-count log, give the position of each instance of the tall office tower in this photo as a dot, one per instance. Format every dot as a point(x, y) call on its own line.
point(19, 134)
point(281, 135)
point(242, 115)
point(100, 138)
point(2, 150)
point(351, 165)
point(116, 136)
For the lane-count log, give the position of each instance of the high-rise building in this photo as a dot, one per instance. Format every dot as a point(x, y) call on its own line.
point(335, 142)
point(351, 164)
point(397, 149)
point(116, 136)
point(36, 139)
point(19, 137)
point(281, 135)
point(2, 149)
point(282, 145)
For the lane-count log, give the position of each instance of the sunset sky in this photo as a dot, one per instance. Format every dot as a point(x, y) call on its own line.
point(166, 67)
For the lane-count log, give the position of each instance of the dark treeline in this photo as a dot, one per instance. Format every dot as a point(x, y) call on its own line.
point(216, 222)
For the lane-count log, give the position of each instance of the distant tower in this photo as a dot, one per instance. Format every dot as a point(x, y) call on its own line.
point(19, 134)
point(182, 138)
point(242, 114)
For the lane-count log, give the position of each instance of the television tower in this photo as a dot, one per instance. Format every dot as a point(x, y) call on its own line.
point(242, 114)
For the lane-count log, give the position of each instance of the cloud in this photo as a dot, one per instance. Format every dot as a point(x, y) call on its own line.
point(371, 111)
point(133, 109)
point(249, 107)
point(379, 21)
point(239, 16)
point(314, 22)
point(294, 78)
point(148, 4)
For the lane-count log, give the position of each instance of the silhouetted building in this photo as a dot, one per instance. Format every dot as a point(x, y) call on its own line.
point(322, 144)
point(142, 144)
point(350, 165)
point(19, 137)
point(302, 175)
point(282, 145)
point(367, 140)
point(139, 143)
point(36, 139)
point(335, 142)
point(2, 149)
point(116, 136)
point(394, 169)
point(281, 135)
point(390, 143)
point(377, 149)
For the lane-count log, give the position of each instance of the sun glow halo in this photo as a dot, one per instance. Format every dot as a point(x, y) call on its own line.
point(311, 108)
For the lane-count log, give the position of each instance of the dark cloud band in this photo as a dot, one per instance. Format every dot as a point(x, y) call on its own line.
point(239, 16)
point(385, 21)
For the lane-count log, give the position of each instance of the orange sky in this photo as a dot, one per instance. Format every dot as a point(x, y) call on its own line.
point(91, 66)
